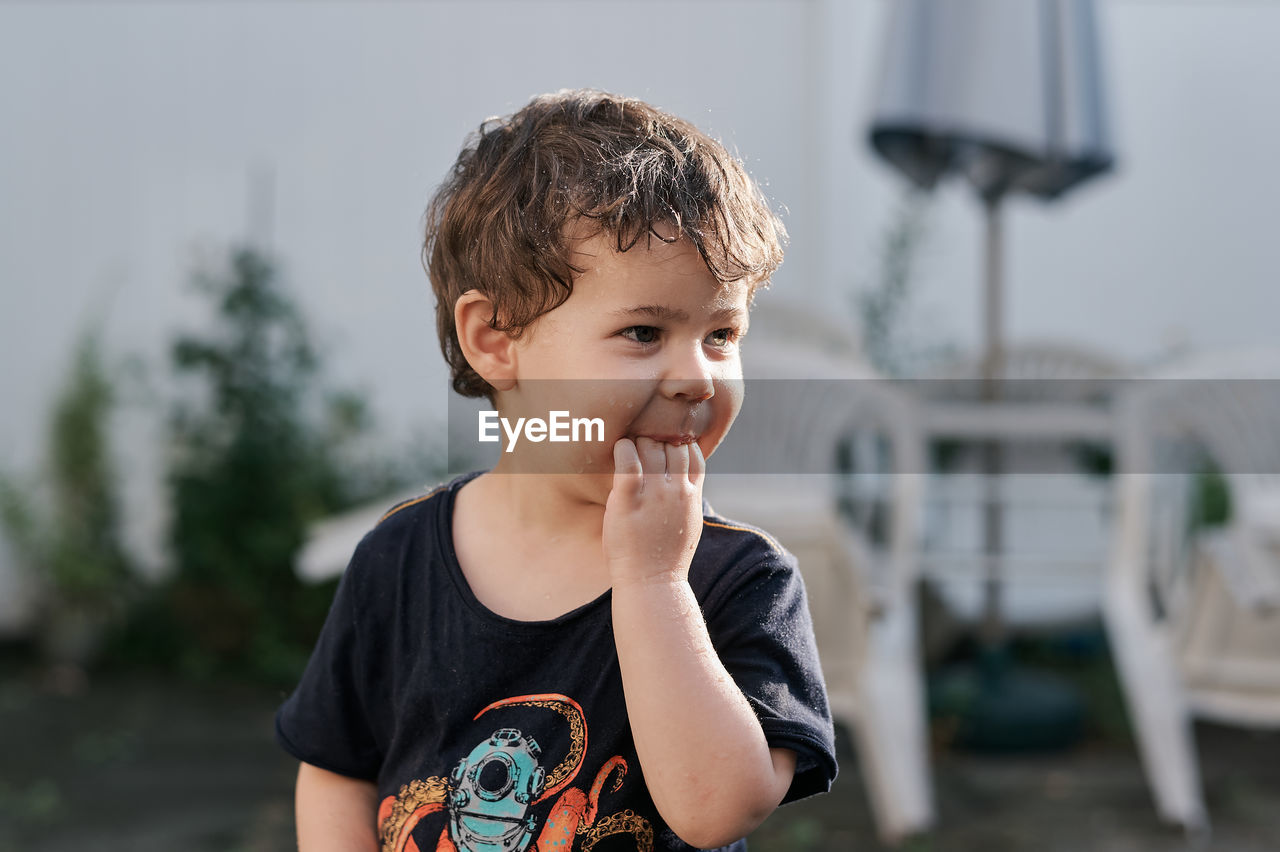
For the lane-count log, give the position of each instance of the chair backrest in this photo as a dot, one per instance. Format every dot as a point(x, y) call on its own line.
point(802, 404)
point(1225, 406)
point(833, 424)
point(1207, 425)
point(1034, 371)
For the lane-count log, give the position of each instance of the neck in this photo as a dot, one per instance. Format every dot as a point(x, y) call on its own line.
point(546, 507)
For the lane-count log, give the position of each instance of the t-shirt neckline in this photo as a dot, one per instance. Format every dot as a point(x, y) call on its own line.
point(449, 556)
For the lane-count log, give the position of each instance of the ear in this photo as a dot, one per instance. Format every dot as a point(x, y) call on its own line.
point(490, 352)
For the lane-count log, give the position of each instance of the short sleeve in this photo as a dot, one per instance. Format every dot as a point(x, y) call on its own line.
point(325, 722)
point(761, 628)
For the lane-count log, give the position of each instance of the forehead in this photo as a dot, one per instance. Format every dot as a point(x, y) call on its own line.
point(653, 270)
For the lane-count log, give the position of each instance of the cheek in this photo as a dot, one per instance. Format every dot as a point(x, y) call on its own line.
point(725, 406)
point(731, 392)
point(621, 401)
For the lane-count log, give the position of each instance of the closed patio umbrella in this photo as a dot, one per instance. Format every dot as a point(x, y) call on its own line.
point(1009, 95)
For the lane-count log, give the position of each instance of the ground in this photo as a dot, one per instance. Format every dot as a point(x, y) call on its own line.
point(139, 763)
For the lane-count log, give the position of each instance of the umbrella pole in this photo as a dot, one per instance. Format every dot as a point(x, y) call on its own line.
point(992, 371)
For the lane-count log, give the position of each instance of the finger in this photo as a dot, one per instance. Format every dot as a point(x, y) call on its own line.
point(697, 464)
point(677, 459)
point(652, 456)
point(626, 467)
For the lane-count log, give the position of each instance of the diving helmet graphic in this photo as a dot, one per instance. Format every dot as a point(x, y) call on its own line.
point(492, 789)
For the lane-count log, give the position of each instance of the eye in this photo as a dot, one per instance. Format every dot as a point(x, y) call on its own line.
point(722, 337)
point(641, 333)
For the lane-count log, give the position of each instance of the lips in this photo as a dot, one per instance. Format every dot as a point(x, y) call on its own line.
point(667, 439)
point(683, 425)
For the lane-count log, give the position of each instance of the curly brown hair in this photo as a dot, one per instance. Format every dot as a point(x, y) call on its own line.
point(498, 222)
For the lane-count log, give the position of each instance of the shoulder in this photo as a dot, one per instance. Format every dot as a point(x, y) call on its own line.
point(725, 531)
point(405, 514)
point(733, 555)
point(733, 540)
point(403, 529)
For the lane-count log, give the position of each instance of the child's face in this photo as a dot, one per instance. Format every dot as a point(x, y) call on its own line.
point(648, 341)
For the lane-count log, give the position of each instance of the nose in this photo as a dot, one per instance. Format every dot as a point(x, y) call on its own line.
point(688, 377)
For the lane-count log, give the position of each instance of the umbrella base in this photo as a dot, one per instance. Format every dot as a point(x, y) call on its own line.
point(995, 706)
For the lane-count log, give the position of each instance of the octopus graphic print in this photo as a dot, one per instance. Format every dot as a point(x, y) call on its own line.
point(495, 798)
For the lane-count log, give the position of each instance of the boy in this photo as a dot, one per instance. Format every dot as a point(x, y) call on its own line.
point(570, 651)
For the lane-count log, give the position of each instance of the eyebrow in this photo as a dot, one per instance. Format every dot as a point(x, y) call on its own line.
point(668, 314)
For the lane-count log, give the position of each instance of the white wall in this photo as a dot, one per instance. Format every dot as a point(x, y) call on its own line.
point(141, 124)
point(130, 131)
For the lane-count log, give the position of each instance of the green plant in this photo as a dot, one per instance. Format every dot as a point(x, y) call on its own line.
point(65, 524)
point(257, 455)
point(883, 308)
point(1211, 504)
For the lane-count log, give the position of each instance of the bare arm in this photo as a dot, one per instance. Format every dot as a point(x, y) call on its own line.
point(709, 769)
point(708, 766)
point(335, 812)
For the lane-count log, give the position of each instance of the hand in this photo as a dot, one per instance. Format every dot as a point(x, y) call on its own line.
point(653, 517)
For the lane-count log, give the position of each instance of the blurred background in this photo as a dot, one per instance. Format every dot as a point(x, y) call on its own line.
point(217, 336)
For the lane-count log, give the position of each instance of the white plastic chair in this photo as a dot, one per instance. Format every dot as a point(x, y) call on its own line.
point(807, 405)
point(1192, 614)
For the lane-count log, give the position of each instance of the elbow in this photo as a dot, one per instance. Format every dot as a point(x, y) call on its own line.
point(706, 836)
point(708, 841)
point(722, 811)
point(720, 823)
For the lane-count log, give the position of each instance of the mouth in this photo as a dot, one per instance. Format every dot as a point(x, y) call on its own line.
point(683, 426)
point(673, 438)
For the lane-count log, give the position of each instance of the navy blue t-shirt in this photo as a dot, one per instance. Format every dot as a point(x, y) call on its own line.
point(485, 732)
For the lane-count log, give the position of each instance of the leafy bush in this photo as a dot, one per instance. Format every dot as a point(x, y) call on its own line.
point(257, 455)
point(64, 524)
